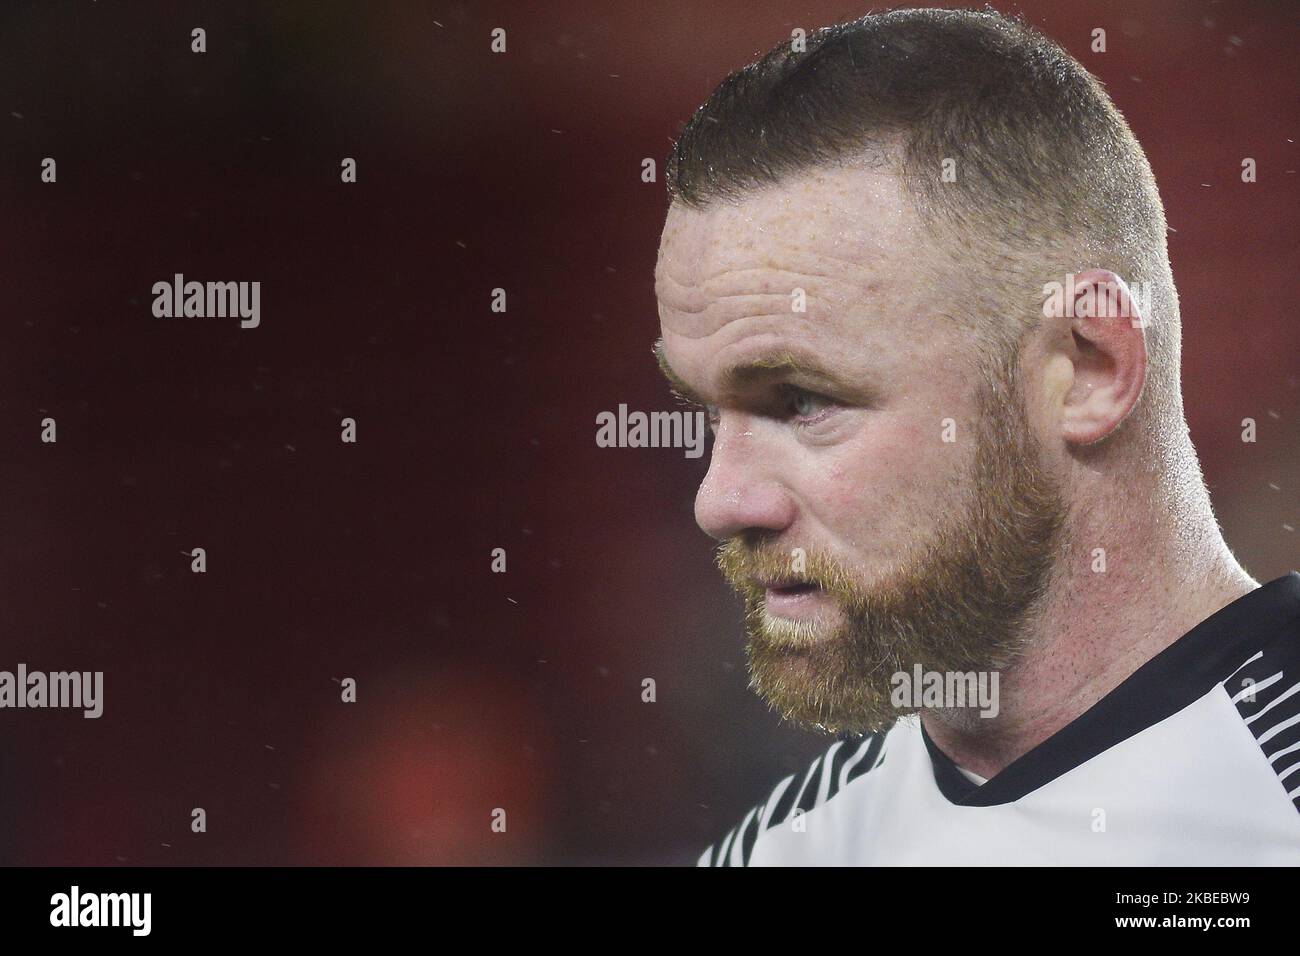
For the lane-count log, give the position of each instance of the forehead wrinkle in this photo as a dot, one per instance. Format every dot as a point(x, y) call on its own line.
point(697, 315)
point(766, 290)
point(770, 277)
point(728, 283)
point(722, 313)
point(736, 299)
point(697, 331)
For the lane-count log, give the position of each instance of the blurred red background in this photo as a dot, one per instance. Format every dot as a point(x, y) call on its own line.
point(476, 691)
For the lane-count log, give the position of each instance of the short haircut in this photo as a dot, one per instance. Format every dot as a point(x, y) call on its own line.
point(1049, 178)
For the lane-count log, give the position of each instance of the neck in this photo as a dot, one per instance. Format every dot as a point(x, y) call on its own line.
point(1094, 628)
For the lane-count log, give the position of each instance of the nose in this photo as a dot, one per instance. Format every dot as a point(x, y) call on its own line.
point(741, 491)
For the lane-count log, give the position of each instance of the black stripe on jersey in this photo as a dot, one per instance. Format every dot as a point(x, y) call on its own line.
point(751, 834)
point(724, 848)
point(743, 835)
point(862, 753)
point(813, 785)
point(837, 766)
point(1283, 746)
point(872, 759)
point(1266, 692)
point(783, 806)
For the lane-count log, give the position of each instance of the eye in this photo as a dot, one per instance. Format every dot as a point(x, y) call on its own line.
point(807, 405)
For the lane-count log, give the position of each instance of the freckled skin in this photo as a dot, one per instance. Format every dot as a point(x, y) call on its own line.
point(866, 482)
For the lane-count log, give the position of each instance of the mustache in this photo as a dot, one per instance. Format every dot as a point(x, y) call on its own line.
point(750, 568)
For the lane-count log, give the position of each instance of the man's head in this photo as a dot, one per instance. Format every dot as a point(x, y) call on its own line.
point(851, 278)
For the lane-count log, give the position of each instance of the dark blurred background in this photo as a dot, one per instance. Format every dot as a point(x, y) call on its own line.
point(476, 429)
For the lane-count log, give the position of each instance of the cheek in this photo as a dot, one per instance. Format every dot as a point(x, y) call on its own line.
point(896, 469)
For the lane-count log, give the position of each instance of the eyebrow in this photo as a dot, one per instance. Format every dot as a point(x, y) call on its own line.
point(779, 365)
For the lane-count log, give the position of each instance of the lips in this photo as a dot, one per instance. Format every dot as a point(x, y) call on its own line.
point(789, 588)
point(792, 599)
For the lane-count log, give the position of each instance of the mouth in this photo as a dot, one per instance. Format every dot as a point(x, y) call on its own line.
point(788, 587)
point(790, 598)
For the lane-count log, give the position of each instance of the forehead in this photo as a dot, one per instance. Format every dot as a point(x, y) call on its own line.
point(847, 237)
point(853, 214)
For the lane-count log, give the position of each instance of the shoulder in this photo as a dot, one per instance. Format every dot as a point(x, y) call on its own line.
point(842, 763)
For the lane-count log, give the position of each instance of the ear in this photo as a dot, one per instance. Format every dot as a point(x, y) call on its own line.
point(1106, 347)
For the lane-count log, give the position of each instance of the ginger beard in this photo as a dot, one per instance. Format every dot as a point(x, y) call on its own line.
point(959, 605)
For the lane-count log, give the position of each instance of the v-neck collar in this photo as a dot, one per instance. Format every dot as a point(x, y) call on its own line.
point(1179, 675)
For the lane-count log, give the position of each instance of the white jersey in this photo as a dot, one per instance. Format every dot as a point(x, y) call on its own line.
point(1193, 760)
